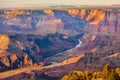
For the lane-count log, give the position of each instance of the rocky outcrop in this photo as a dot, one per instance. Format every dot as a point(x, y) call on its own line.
point(49, 11)
point(14, 61)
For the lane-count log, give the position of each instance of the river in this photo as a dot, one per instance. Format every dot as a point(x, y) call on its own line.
point(69, 50)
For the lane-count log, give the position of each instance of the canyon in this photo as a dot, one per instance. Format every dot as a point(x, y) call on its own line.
point(63, 39)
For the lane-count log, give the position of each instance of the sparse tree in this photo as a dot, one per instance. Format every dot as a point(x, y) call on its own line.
point(112, 75)
point(106, 71)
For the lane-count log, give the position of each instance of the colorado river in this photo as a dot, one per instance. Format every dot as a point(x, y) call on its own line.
point(69, 50)
point(78, 45)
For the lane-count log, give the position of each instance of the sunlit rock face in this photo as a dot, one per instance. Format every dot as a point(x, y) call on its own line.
point(99, 20)
point(49, 11)
point(94, 16)
point(13, 13)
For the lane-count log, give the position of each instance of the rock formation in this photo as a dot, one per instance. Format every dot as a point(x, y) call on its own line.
point(14, 61)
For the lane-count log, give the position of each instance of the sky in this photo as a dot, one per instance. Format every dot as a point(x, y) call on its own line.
point(36, 3)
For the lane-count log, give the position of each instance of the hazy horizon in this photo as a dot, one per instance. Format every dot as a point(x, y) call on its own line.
point(38, 3)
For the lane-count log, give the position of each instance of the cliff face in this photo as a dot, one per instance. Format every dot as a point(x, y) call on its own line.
point(93, 16)
point(14, 61)
point(109, 24)
point(99, 20)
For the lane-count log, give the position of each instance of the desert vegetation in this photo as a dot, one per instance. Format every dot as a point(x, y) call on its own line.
point(107, 73)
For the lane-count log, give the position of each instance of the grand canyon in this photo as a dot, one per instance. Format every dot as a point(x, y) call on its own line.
point(48, 43)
